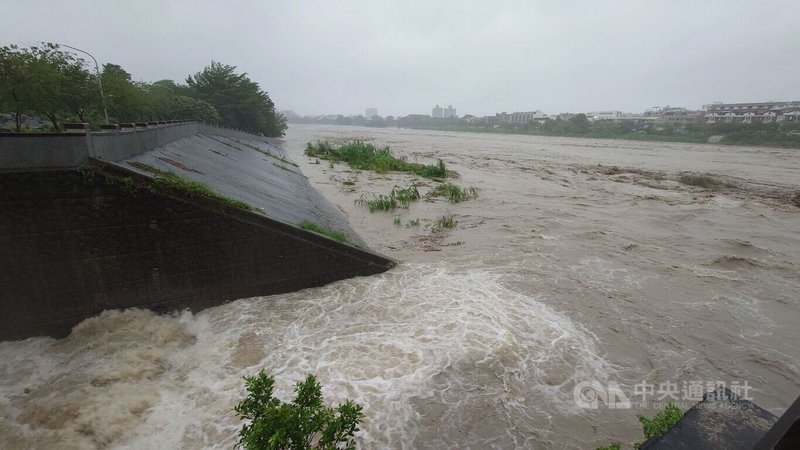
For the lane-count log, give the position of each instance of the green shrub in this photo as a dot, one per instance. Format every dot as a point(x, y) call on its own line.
point(302, 424)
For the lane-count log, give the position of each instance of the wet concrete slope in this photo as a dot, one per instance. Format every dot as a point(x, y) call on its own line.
point(247, 168)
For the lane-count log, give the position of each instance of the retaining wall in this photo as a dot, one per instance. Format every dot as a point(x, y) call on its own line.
point(76, 243)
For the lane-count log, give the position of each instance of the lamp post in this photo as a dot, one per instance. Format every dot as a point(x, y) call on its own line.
point(99, 81)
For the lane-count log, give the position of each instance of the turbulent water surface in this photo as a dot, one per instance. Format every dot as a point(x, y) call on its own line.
point(625, 263)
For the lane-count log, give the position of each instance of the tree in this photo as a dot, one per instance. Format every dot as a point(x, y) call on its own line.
point(303, 424)
point(14, 80)
point(239, 101)
point(124, 99)
point(45, 80)
point(579, 124)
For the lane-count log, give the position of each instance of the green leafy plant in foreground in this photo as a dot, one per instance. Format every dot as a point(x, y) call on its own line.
point(658, 425)
point(661, 422)
point(305, 423)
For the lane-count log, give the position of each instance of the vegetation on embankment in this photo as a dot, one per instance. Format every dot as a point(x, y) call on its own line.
point(364, 156)
point(311, 226)
point(50, 81)
point(168, 181)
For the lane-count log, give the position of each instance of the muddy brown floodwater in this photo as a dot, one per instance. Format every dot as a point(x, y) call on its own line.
point(582, 265)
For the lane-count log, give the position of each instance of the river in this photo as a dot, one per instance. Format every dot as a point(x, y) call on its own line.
point(583, 267)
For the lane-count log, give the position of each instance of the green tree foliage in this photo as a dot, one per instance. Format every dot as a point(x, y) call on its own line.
point(14, 79)
point(305, 423)
point(45, 80)
point(240, 101)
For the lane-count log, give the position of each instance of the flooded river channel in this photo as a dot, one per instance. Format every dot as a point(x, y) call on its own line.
point(658, 268)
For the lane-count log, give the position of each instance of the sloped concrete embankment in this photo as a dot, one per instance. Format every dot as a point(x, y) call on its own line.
point(78, 239)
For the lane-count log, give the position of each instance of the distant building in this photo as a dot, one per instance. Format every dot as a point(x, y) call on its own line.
point(764, 112)
point(522, 117)
point(370, 113)
point(673, 115)
point(443, 113)
point(604, 115)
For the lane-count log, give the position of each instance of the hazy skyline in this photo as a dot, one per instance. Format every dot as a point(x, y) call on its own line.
point(314, 57)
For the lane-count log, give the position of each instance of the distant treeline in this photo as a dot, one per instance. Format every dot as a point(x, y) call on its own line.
point(47, 81)
point(784, 134)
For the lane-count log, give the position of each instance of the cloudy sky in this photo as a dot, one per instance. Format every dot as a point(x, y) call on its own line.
point(402, 57)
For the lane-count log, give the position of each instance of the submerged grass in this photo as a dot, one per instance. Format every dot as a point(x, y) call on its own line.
point(453, 192)
point(398, 198)
point(363, 156)
point(378, 203)
point(444, 222)
point(311, 226)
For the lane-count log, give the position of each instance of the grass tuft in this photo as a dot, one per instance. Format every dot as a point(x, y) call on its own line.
point(363, 156)
point(379, 203)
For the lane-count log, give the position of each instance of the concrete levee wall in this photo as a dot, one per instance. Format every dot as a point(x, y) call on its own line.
point(42, 150)
point(20, 151)
point(116, 146)
point(78, 242)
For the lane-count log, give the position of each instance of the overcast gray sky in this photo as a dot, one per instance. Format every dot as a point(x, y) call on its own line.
point(326, 57)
